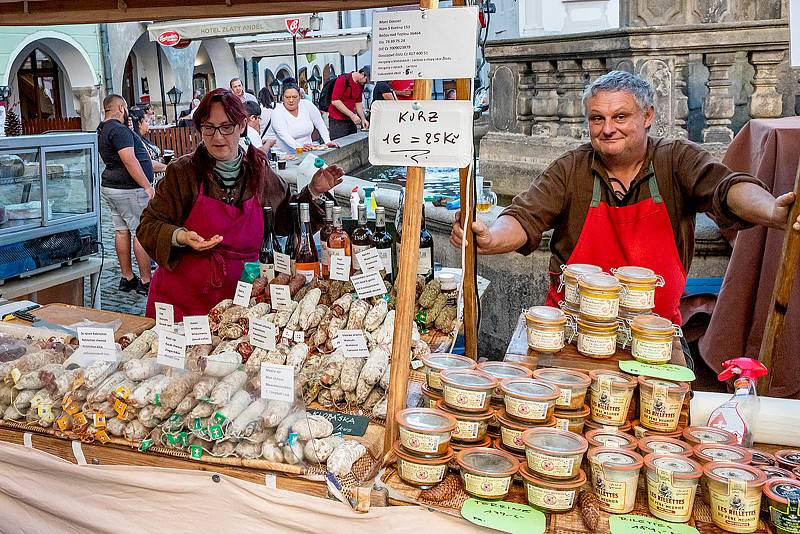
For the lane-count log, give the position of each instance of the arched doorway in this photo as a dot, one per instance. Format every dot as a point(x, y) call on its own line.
point(129, 78)
point(303, 79)
point(203, 79)
point(39, 83)
point(328, 72)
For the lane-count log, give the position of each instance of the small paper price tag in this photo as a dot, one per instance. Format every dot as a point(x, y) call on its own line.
point(340, 268)
point(102, 436)
point(243, 292)
point(97, 344)
point(280, 295)
point(262, 334)
point(80, 419)
point(299, 336)
point(368, 285)
point(120, 408)
point(171, 349)
point(283, 263)
point(165, 317)
point(369, 261)
point(352, 343)
point(277, 382)
point(197, 330)
point(288, 334)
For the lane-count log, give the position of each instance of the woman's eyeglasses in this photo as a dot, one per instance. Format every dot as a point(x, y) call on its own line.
point(209, 130)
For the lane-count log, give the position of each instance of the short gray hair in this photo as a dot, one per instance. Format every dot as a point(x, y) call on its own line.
point(619, 80)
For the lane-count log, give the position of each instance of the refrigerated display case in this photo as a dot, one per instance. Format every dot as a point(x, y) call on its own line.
point(49, 201)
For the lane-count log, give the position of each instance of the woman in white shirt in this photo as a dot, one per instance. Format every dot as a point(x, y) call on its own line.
point(294, 120)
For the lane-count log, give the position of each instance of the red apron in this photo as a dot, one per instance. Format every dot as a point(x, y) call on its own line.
point(202, 279)
point(640, 234)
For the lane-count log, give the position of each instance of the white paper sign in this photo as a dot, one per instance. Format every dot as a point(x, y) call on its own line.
point(368, 285)
point(165, 317)
point(283, 263)
point(197, 330)
point(280, 295)
point(277, 382)
point(340, 268)
point(262, 334)
point(98, 344)
point(369, 261)
point(171, 349)
point(352, 343)
point(436, 134)
point(436, 44)
point(243, 292)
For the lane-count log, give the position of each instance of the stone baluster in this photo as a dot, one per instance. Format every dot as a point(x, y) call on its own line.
point(681, 98)
point(544, 106)
point(525, 89)
point(766, 102)
point(718, 105)
point(570, 111)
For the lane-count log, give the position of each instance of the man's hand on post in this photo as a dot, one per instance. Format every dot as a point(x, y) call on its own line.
point(781, 210)
point(483, 236)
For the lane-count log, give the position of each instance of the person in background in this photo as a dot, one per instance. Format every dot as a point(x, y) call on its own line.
point(403, 89)
point(252, 135)
point(126, 188)
point(346, 112)
point(267, 102)
point(294, 121)
point(149, 113)
point(238, 90)
point(141, 128)
point(383, 91)
point(450, 94)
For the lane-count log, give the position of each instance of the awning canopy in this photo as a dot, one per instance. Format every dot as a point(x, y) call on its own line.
point(39, 12)
point(351, 42)
point(227, 27)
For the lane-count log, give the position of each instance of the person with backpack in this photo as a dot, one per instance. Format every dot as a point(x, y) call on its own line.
point(344, 106)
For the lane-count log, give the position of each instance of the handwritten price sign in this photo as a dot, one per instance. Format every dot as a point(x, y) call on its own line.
point(435, 133)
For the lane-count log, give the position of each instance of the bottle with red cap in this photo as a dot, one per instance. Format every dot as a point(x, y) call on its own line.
point(739, 414)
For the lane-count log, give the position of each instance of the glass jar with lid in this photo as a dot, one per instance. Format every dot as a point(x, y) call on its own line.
point(597, 339)
point(572, 311)
point(615, 478)
point(599, 296)
point(569, 280)
point(545, 327)
point(640, 284)
point(660, 403)
point(652, 338)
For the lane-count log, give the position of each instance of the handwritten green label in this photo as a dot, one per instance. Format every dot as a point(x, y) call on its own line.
point(504, 516)
point(638, 524)
point(666, 371)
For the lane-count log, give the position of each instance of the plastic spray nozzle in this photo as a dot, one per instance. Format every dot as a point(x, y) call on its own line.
point(319, 162)
point(745, 367)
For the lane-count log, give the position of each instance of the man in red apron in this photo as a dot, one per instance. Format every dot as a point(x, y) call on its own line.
point(627, 198)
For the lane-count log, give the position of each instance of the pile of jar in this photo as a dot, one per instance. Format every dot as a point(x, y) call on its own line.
point(602, 312)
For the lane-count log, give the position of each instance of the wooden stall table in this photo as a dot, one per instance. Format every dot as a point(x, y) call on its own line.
point(63, 284)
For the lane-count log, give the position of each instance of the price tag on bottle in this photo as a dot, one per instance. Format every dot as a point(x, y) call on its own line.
point(369, 261)
point(171, 349)
point(165, 317)
point(243, 292)
point(352, 343)
point(197, 330)
point(277, 382)
point(283, 263)
point(368, 285)
point(97, 344)
point(280, 295)
point(340, 268)
point(262, 334)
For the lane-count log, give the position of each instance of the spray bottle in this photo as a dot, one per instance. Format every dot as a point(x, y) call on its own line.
point(740, 413)
point(355, 200)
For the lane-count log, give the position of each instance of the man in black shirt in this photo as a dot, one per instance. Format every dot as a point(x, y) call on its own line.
point(126, 187)
point(383, 91)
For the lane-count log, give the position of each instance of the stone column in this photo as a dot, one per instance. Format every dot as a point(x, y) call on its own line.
point(525, 90)
point(570, 111)
point(766, 102)
point(544, 106)
point(90, 108)
point(503, 97)
point(718, 106)
point(681, 98)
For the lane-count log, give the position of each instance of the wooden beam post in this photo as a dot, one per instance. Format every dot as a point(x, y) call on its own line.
point(787, 270)
point(407, 278)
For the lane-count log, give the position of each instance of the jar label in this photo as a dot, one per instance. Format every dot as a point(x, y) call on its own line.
point(565, 399)
point(735, 510)
point(486, 486)
point(786, 520)
point(512, 438)
point(326, 255)
point(651, 351)
point(638, 299)
point(612, 494)
point(669, 501)
point(422, 474)
point(659, 412)
point(543, 340)
point(571, 293)
point(418, 442)
point(550, 499)
point(550, 465)
point(602, 308)
point(464, 398)
point(596, 345)
point(385, 255)
point(562, 424)
point(466, 430)
point(434, 380)
point(525, 409)
point(608, 408)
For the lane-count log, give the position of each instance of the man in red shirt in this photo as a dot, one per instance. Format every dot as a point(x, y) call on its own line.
point(404, 89)
point(346, 112)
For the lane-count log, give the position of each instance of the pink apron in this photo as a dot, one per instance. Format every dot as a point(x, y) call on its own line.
point(202, 279)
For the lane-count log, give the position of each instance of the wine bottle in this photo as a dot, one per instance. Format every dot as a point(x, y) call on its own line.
point(306, 259)
point(383, 243)
point(425, 265)
point(362, 235)
point(269, 245)
point(324, 234)
point(338, 241)
point(290, 246)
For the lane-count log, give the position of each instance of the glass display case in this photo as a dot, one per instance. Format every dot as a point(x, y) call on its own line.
point(49, 201)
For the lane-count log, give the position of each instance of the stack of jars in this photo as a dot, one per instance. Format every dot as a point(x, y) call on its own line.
point(571, 411)
point(423, 451)
point(435, 363)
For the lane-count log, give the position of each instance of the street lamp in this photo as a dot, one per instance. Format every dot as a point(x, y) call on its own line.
point(315, 22)
point(276, 89)
point(313, 84)
point(174, 95)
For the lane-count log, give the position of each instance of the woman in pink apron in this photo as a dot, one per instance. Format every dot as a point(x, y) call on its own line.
point(206, 219)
